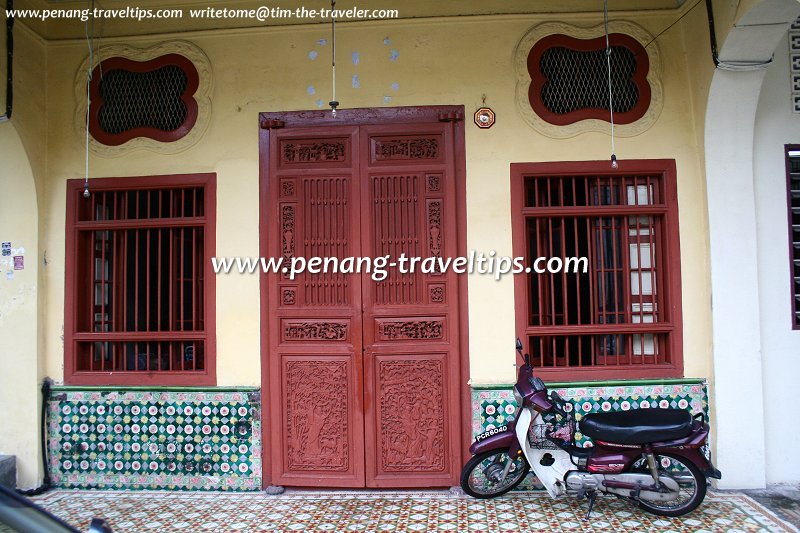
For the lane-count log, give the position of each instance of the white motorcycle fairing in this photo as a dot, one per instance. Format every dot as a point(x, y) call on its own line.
point(552, 477)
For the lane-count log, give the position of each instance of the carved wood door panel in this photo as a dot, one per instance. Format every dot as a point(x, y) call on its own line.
point(364, 375)
point(411, 372)
point(314, 324)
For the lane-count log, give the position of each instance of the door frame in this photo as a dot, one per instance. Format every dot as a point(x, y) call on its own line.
point(362, 117)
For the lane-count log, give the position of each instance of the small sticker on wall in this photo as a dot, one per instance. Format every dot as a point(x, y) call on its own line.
point(19, 262)
point(6, 247)
point(10, 275)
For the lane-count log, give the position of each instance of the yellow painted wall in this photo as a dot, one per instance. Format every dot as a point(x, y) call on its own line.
point(22, 300)
point(30, 89)
point(453, 61)
point(20, 399)
point(700, 69)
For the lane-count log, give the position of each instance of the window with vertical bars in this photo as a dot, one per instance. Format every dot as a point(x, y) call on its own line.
point(619, 318)
point(139, 282)
point(793, 196)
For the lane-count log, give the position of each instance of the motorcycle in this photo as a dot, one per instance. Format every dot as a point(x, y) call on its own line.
point(658, 458)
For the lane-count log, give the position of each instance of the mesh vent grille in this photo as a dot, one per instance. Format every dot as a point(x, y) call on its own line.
point(579, 80)
point(142, 100)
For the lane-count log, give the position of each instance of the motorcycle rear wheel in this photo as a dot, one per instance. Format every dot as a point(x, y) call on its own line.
point(480, 476)
point(692, 483)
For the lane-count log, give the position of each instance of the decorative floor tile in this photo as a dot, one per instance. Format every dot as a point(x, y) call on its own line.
point(142, 511)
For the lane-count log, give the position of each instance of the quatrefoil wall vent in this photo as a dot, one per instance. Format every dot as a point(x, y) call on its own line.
point(570, 83)
point(562, 79)
point(155, 99)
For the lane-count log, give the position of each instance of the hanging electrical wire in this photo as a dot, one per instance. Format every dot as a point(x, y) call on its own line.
point(733, 65)
point(89, 68)
point(610, 97)
point(9, 37)
point(333, 103)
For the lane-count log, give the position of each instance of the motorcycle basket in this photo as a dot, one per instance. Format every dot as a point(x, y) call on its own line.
point(555, 433)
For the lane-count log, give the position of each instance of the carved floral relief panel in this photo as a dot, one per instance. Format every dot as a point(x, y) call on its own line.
point(317, 431)
point(423, 328)
point(404, 148)
point(293, 152)
point(435, 231)
point(412, 433)
point(436, 292)
point(433, 182)
point(288, 295)
point(314, 330)
point(287, 188)
point(287, 231)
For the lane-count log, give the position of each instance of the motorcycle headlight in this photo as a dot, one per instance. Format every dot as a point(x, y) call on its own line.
point(518, 397)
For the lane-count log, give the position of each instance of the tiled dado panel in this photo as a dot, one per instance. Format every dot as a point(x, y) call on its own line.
point(493, 407)
point(160, 439)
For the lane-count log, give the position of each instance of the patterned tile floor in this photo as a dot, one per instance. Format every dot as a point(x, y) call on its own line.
point(784, 500)
point(161, 511)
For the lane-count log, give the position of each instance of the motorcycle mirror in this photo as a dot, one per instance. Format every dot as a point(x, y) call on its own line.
point(519, 346)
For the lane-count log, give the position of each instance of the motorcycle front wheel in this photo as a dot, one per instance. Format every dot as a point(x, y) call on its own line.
point(482, 476)
point(691, 482)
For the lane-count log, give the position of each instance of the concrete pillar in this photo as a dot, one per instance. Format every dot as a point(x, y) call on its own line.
point(738, 387)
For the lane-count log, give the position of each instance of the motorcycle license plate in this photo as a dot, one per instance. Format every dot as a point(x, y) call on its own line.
point(494, 431)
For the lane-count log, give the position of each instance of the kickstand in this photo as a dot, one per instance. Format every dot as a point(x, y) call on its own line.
point(592, 497)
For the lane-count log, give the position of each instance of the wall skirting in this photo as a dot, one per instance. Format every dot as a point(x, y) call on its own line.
point(183, 439)
point(210, 439)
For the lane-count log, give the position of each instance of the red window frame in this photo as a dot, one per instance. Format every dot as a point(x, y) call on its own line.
point(538, 79)
point(793, 212)
point(663, 244)
point(122, 63)
point(81, 322)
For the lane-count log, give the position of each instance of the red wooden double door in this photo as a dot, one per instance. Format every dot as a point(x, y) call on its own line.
point(364, 374)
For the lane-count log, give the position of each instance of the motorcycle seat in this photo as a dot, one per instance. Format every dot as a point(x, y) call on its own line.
point(638, 426)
